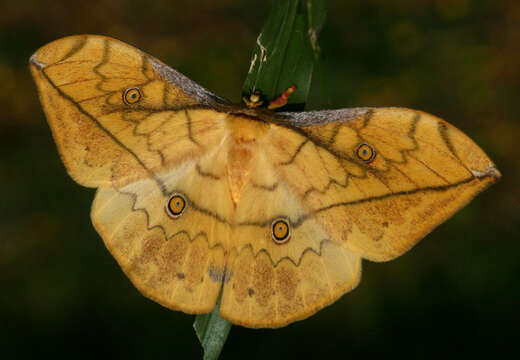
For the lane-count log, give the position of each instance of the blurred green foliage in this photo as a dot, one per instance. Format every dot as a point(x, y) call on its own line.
point(455, 294)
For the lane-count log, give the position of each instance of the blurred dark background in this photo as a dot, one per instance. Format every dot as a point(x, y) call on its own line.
point(455, 294)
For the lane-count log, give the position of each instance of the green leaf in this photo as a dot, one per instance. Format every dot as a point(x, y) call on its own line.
point(284, 55)
point(286, 50)
point(212, 331)
point(316, 15)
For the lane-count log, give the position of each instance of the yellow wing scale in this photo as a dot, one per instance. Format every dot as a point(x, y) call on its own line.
point(168, 261)
point(237, 172)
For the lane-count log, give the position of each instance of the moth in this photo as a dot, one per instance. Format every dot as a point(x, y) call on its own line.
point(197, 197)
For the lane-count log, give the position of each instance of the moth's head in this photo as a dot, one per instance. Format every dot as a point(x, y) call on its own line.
point(254, 100)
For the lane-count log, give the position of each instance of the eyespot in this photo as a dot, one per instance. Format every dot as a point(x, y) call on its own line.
point(131, 96)
point(281, 231)
point(365, 152)
point(175, 205)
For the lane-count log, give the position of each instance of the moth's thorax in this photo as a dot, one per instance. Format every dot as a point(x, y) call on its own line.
point(243, 130)
point(245, 136)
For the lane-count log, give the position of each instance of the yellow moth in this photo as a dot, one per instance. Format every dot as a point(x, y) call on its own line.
point(197, 196)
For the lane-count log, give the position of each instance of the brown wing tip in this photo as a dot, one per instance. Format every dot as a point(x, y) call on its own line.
point(491, 171)
point(55, 50)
